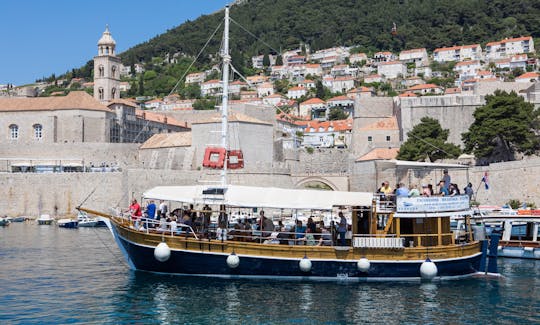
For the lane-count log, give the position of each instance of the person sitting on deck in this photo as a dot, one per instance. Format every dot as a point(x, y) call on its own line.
point(414, 191)
point(443, 191)
point(300, 231)
point(309, 238)
point(325, 237)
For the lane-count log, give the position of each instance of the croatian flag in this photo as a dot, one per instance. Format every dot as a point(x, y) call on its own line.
point(485, 180)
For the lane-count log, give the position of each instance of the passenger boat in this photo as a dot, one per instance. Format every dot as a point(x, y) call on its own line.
point(409, 239)
point(520, 233)
point(45, 219)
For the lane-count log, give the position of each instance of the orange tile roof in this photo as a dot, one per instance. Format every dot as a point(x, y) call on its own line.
point(123, 102)
point(157, 117)
point(528, 75)
point(338, 125)
point(457, 47)
point(213, 81)
point(449, 91)
point(233, 117)
point(339, 98)
point(407, 94)
point(297, 88)
point(424, 86)
point(380, 154)
point(167, 140)
point(313, 101)
point(484, 73)
point(517, 39)
point(389, 123)
point(75, 100)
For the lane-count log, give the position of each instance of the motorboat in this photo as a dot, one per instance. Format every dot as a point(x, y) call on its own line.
point(67, 223)
point(45, 219)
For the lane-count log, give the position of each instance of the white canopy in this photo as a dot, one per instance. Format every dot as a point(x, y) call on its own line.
point(262, 197)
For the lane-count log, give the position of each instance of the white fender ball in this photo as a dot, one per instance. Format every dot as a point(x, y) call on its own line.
point(162, 252)
point(428, 270)
point(363, 265)
point(305, 264)
point(233, 261)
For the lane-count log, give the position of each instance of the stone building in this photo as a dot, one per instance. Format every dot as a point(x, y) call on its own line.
point(76, 117)
point(107, 68)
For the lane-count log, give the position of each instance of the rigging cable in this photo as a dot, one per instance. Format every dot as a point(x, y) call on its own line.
point(196, 58)
point(250, 33)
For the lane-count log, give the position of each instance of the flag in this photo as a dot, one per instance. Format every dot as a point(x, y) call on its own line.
point(485, 180)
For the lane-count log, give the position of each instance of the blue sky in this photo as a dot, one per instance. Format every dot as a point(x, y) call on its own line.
point(41, 37)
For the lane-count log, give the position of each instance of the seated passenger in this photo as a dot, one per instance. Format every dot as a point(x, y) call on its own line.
point(300, 232)
point(309, 238)
point(325, 238)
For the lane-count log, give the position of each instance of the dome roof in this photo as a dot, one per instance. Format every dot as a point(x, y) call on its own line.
point(106, 38)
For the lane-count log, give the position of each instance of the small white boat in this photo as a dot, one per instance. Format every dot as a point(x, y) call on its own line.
point(85, 221)
point(45, 219)
point(68, 223)
point(4, 221)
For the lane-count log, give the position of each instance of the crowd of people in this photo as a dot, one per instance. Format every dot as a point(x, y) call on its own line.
point(445, 188)
point(185, 220)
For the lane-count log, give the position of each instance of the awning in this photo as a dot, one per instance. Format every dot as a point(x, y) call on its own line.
point(263, 197)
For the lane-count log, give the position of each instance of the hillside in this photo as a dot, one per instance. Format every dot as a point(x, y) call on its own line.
point(367, 24)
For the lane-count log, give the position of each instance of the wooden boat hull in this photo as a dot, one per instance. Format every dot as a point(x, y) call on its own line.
point(211, 260)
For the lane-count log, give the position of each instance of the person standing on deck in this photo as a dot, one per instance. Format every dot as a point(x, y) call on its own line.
point(342, 229)
point(446, 180)
point(151, 211)
point(163, 209)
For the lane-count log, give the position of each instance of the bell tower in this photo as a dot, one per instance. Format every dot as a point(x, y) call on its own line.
point(106, 69)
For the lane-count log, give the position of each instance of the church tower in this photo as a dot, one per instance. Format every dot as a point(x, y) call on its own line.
point(106, 69)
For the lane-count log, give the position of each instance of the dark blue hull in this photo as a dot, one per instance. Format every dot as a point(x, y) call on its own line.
point(215, 264)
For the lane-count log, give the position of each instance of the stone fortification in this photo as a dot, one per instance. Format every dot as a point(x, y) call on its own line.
point(122, 154)
point(453, 112)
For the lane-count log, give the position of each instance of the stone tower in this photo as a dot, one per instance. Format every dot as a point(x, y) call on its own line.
point(106, 69)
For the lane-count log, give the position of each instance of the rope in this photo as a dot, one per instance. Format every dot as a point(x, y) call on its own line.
point(196, 58)
point(108, 248)
point(257, 38)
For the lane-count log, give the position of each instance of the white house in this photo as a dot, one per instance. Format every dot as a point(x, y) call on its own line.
point(528, 77)
point(296, 92)
point(306, 107)
point(392, 69)
point(373, 78)
point(257, 61)
point(384, 56)
point(307, 83)
point(357, 58)
point(195, 78)
point(342, 84)
point(279, 72)
point(211, 87)
point(467, 69)
point(328, 134)
point(274, 100)
point(458, 53)
point(426, 89)
point(519, 61)
point(508, 47)
point(314, 69)
point(417, 56)
point(265, 89)
point(236, 86)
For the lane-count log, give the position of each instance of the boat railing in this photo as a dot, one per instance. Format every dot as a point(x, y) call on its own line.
point(385, 202)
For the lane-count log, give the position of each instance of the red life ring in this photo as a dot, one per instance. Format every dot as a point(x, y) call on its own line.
point(235, 159)
point(214, 157)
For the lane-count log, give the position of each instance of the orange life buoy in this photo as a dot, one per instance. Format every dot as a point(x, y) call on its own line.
point(214, 157)
point(235, 159)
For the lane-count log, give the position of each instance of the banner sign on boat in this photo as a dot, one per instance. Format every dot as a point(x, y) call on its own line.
point(432, 203)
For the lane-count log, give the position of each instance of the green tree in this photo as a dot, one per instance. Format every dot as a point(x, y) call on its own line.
point(506, 124)
point(266, 60)
point(141, 85)
point(279, 60)
point(428, 140)
point(319, 92)
point(337, 113)
point(204, 104)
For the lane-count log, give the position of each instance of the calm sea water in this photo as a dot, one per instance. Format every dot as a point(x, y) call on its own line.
point(50, 275)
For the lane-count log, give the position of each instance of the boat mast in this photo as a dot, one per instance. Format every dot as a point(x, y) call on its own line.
point(225, 97)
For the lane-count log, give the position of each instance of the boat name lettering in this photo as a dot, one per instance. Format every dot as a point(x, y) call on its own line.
point(432, 204)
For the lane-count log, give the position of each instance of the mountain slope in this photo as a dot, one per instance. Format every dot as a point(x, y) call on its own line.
point(325, 23)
